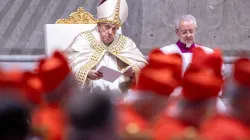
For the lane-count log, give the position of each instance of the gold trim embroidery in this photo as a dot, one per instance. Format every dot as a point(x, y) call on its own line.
point(115, 49)
point(83, 73)
point(95, 58)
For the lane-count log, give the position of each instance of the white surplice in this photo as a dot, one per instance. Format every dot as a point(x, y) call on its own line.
point(186, 57)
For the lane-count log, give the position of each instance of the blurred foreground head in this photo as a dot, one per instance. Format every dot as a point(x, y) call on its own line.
point(10, 82)
point(161, 76)
point(156, 82)
point(237, 90)
point(92, 116)
point(14, 119)
point(58, 81)
point(201, 85)
point(203, 79)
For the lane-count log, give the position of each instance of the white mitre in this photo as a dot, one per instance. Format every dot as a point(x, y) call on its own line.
point(112, 11)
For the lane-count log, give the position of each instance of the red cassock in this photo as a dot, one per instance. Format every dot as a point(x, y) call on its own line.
point(226, 127)
point(128, 117)
point(169, 128)
point(222, 127)
point(199, 83)
point(50, 119)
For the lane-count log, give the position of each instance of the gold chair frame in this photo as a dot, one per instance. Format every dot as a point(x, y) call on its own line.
point(78, 17)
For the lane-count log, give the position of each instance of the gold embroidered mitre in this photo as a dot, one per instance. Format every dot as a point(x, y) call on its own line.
point(112, 11)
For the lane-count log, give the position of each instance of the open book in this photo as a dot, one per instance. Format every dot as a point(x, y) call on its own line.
point(110, 74)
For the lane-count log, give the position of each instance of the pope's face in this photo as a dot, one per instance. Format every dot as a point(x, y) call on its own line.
point(107, 32)
point(186, 32)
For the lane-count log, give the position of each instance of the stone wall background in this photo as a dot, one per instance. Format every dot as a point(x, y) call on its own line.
point(222, 23)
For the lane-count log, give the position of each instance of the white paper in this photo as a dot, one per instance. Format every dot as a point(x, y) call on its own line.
point(109, 74)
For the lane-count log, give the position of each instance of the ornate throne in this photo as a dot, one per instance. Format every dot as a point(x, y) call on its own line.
point(58, 36)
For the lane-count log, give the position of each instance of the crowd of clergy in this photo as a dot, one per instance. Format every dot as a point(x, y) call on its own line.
point(49, 104)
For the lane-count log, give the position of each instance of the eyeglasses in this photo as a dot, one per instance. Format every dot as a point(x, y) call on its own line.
point(185, 32)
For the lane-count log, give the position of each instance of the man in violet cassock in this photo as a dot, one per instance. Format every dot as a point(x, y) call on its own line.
point(185, 28)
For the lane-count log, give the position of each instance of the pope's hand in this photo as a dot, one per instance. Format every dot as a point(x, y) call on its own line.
point(129, 73)
point(94, 75)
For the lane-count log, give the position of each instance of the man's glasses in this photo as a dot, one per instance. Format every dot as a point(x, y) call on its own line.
point(185, 32)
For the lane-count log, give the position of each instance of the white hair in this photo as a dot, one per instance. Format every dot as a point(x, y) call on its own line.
point(185, 18)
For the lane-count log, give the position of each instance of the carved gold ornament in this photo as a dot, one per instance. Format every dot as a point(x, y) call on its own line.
point(78, 17)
